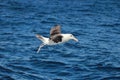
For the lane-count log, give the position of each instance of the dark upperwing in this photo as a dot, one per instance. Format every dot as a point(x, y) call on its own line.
point(55, 34)
point(55, 30)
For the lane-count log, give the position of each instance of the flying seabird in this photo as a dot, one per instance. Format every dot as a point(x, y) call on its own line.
point(56, 37)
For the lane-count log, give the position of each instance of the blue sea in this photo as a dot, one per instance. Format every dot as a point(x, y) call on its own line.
point(95, 23)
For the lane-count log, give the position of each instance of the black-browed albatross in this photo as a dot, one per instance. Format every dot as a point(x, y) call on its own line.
point(56, 37)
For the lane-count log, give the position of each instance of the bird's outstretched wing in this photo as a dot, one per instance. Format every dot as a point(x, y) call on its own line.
point(57, 38)
point(55, 30)
point(55, 34)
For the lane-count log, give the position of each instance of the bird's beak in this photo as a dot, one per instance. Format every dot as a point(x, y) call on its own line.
point(75, 39)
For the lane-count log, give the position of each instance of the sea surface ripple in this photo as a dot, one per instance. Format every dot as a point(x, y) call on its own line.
point(96, 23)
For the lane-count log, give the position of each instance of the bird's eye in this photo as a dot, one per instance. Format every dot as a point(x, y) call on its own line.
point(71, 35)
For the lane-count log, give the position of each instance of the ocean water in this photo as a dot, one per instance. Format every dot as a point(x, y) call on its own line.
point(96, 23)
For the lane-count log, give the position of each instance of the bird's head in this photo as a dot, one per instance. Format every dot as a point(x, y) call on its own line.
point(73, 37)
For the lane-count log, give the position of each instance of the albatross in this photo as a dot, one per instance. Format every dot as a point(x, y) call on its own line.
point(56, 37)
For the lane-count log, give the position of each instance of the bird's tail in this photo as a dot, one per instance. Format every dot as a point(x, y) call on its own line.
point(40, 37)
